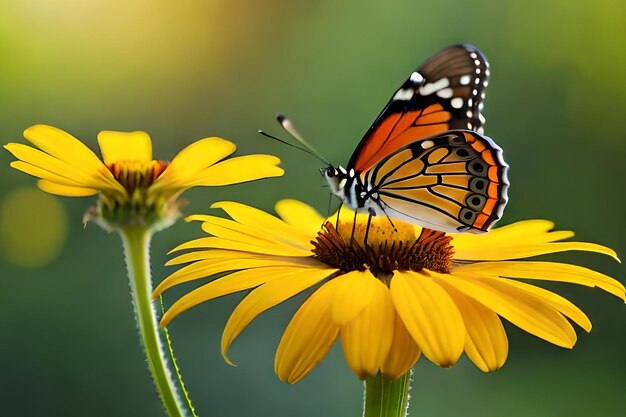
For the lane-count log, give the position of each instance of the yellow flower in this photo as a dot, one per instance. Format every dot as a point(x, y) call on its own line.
point(133, 188)
point(408, 291)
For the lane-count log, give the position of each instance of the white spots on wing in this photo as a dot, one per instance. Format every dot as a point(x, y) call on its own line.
point(404, 94)
point(351, 172)
point(481, 130)
point(473, 55)
point(477, 62)
point(432, 87)
point(481, 118)
point(416, 77)
point(481, 106)
point(487, 71)
point(477, 80)
point(470, 102)
point(456, 102)
point(343, 170)
point(445, 93)
point(465, 80)
point(486, 83)
point(342, 183)
point(482, 95)
point(477, 71)
point(469, 125)
point(469, 113)
point(474, 92)
point(427, 144)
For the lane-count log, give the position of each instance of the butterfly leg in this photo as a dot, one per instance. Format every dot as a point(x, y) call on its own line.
point(380, 204)
point(330, 202)
point(367, 230)
point(337, 221)
point(353, 229)
point(391, 223)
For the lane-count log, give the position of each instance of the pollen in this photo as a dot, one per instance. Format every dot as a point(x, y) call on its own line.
point(387, 249)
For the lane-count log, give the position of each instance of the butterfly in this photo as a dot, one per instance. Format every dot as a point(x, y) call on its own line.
point(425, 159)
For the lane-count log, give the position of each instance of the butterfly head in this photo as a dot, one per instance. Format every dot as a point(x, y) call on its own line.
point(343, 183)
point(337, 178)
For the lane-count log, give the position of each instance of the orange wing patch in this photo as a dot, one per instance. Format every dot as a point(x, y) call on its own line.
point(399, 130)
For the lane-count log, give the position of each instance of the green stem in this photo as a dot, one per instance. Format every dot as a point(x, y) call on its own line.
point(384, 398)
point(136, 249)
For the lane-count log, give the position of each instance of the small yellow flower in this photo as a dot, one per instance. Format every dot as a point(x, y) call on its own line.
point(134, 189)
point(408, 291)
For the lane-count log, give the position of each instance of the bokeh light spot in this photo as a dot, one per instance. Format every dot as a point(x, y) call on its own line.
point(33, 227)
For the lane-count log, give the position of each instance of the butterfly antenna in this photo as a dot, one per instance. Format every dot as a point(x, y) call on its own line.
point(286, 123)
point(284, 142)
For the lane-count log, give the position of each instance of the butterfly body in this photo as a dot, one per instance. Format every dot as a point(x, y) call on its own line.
point(425, 160)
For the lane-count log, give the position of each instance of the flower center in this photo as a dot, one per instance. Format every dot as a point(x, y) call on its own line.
point(387, 249)
point(138, 206)
point(135, 175)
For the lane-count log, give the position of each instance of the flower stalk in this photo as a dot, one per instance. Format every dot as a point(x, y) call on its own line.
point(386, 398)
point(136, 249)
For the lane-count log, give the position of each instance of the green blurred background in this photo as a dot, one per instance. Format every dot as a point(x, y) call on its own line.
point(185, 70)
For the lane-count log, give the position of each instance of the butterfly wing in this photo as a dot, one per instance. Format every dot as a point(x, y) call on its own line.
point(453, 182)
point(445, 93)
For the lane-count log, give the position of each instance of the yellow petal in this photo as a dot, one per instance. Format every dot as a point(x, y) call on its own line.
point(367, 338)
point(64, 146)
point(430, 316)
point(229, 229)
point(125, 146)
point(519, 240)
point(547, 271)
point(528, 231)
point(403, 353)
point(308, 337)
point(210, 267)
point(238, 170)
point(264, 223)
point(300, 216)
point(264, 297)
point(353, 292)
point(221, 255)
point(237, 281)
point(527, 251)
point(184, 169)
point(44, 174)
point(486, 343)
point(560, 304)
point(54, 168)
point(65, 190)
point(520, 308)
point(215, 254)
point(219, 243)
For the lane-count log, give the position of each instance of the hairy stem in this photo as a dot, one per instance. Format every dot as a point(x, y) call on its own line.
point(384, 398)
point(136, 249)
